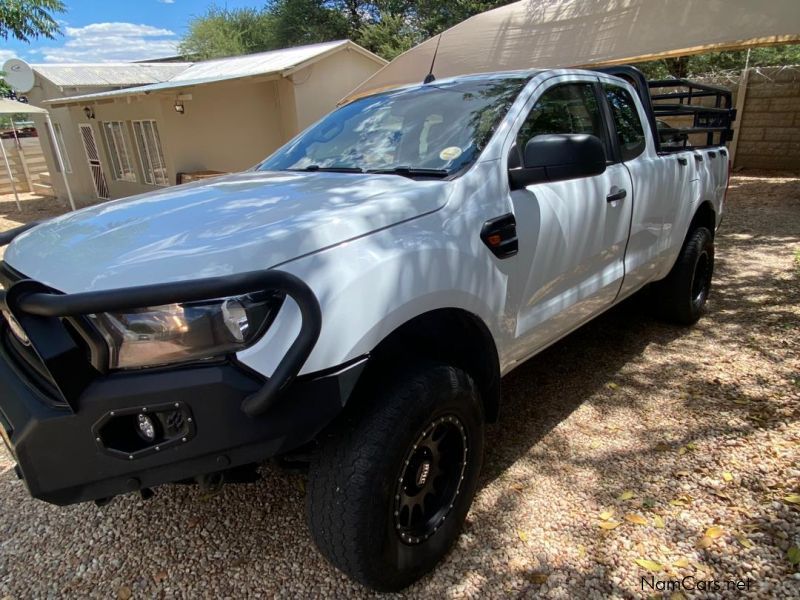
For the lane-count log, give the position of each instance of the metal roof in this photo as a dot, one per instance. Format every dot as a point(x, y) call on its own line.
point(108, 74)
point(283, 62)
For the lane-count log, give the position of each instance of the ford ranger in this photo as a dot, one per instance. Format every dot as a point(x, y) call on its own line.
point(353, 301)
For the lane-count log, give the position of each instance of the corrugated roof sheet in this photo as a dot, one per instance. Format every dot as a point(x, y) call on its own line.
point(255, 64)
point(109, 74)
point(263, 63)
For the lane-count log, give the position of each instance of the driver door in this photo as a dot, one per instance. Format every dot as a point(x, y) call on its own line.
point(572, 234)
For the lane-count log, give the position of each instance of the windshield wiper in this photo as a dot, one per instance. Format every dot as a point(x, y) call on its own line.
point(412, 172)
point(312, 168)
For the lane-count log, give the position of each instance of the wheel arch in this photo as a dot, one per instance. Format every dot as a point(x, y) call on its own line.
point(450, 335)
point(704, 216)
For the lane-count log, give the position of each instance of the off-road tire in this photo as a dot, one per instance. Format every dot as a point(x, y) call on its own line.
point(352, 496)
point(681, 296)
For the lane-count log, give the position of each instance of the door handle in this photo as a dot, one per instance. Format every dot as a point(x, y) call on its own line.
point(614, 196)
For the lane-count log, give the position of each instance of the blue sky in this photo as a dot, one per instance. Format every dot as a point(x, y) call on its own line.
point(116, 30)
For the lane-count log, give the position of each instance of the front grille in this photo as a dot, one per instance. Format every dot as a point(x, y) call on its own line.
point(30, 366)
point(24, 358)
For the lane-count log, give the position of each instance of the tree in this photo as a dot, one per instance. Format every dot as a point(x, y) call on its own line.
point(713, 62)
point(221, 32)
point(386, 27)
point(28, 20)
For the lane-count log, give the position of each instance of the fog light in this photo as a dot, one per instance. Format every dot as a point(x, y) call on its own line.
point(147, 428)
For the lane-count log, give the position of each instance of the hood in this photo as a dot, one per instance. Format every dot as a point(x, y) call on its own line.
point(232, 224)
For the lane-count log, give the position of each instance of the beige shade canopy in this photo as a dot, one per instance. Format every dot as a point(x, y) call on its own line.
point(12, 107)
point(573, 33)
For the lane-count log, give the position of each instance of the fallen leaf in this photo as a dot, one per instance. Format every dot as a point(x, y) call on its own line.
point(637, 519)
point(682, 450)
point(537, 577)
point(714, 532)
point(682, 501)
point(705, 542)
point(650, 565)
point(626, 495)
point(581, 551)
point(727, 476)
point(793, 554)
point(124, 593)
point(648, 503)
point(691, 446)
point(681, 563)
point(658, 522)
point(608, 524)
point(662, 447)
point(522, 535)
point(611, 385)
point(744, 541)
point(792, 498)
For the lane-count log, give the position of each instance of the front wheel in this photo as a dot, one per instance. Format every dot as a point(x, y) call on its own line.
point(390, 487)
point(682, 295)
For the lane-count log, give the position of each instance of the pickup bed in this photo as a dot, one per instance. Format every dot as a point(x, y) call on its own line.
point(351, 303)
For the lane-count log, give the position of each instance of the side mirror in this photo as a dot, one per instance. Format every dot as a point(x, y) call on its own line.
point(556, 157)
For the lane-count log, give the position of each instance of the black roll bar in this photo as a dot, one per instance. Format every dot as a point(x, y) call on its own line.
point(32, 298)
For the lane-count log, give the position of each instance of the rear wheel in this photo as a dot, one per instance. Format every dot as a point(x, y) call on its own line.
point(682, 295)
point(390, 487)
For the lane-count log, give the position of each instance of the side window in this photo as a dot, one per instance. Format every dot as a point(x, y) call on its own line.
point(630, 134)
point(567, 108)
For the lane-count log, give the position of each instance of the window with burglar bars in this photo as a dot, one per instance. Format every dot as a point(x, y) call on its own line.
point(62, 148)
point(151, 157)
point(121, 164)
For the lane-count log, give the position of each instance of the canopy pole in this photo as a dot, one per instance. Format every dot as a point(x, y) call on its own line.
point(10, 175)
point(59, 159)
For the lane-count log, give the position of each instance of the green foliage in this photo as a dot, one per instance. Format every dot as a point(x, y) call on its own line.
point(222, 32)
point(713, 62)
point(386, 27)
point(298, 22)
point(28, 20)
point(389, 37)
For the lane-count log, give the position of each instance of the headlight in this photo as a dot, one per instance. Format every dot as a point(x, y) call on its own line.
point(160, 335)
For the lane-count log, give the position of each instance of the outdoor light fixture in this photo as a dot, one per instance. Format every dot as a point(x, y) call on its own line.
point(89, 112)
point(179, 108)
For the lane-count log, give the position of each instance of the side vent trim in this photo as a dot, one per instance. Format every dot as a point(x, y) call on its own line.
point(500, 236)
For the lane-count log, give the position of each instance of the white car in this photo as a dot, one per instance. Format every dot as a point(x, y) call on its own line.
point(352, 302)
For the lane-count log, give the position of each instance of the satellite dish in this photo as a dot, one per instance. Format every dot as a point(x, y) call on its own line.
point(19, 75)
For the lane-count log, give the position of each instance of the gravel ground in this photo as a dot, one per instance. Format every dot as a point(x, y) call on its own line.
point(691, 438)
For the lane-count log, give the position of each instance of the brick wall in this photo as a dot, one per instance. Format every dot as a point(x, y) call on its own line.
point(770, 121)
point(769, 136)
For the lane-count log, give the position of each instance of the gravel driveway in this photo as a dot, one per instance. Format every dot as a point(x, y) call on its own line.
point(629, 441)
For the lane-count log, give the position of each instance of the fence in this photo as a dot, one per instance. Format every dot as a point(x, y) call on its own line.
point(28, 166)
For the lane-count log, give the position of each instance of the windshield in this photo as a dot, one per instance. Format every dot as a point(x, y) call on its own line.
point(436, 129)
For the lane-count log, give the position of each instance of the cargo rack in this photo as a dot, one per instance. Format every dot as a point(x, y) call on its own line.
point(664, 98)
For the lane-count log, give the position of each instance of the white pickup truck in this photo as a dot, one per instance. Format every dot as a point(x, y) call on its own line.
point(353, 301)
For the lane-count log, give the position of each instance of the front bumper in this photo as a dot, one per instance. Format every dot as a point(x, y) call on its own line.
point(63, 460)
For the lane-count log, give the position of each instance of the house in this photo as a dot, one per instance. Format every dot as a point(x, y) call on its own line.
point(39, 83)
point(214, 116)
